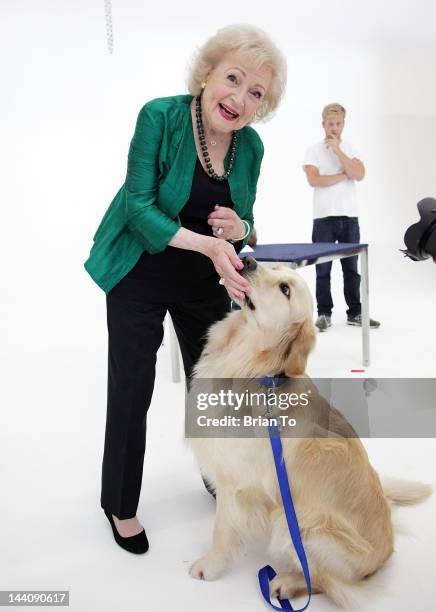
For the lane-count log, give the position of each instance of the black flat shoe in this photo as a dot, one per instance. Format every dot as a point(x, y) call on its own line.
point(135, 544)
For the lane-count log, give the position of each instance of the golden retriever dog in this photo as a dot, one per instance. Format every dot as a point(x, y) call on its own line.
point(344, 512)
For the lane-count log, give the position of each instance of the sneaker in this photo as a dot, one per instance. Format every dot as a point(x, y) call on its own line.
point(357, 320)
point(322, 322)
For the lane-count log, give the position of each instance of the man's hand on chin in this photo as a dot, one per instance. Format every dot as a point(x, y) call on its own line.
point(332, 143)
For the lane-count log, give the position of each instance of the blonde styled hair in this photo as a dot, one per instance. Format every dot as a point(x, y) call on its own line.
point(260, 52)
point(332, 110)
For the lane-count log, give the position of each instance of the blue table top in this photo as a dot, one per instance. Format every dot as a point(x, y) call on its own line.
point(301, 251)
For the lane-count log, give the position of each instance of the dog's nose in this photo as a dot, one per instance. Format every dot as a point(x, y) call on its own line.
point(250, 264)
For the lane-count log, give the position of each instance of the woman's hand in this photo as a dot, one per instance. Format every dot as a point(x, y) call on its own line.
point(225, 260)
point(228, 220)
point(222, 254)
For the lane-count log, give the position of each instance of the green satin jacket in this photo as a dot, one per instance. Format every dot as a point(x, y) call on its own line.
point(160, 168)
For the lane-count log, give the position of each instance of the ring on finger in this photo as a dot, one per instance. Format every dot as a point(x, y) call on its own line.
point(222, 281)
point(218, 231)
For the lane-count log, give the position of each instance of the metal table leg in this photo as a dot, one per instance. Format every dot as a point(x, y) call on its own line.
point(174, 349)
point(365, 305)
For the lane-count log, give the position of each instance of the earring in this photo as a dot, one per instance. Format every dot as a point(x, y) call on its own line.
point(203, 85)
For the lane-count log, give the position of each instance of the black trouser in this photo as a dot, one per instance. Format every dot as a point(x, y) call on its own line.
point(135, 333)
point(341, 229)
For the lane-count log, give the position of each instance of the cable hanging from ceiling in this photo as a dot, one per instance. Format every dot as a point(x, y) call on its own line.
point(109, 29)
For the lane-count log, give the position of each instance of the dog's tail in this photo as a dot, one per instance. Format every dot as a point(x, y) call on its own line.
point(405, 492)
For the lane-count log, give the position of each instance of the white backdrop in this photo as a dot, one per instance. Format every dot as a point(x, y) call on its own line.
point(68, 111)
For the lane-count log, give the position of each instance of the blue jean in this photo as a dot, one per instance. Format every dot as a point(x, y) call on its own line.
point(340, 229)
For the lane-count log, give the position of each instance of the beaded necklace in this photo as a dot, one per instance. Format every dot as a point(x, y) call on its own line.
point(203, 145)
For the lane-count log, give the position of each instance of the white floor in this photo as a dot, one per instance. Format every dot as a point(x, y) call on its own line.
point(53, 534)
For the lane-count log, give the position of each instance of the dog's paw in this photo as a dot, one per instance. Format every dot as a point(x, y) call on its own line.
point(287, 585)
point(208, 567)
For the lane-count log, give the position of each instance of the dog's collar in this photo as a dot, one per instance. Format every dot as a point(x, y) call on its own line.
point(272, 381)
point(268, 381)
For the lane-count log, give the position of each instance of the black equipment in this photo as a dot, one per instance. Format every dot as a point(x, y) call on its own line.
point(420, 238)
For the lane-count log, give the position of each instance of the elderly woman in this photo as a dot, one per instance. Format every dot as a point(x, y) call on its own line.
point(170, 239)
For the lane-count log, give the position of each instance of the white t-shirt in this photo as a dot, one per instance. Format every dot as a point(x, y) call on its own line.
point(338, 199)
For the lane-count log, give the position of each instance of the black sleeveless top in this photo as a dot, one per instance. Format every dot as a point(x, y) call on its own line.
point(178, 274)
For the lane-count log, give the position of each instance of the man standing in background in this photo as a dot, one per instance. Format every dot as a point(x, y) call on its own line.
point(332, 166)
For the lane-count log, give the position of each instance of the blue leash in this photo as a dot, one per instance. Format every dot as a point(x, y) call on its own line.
point(266, 574)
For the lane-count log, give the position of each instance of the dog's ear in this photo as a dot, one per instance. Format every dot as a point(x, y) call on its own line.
point(302, 344)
